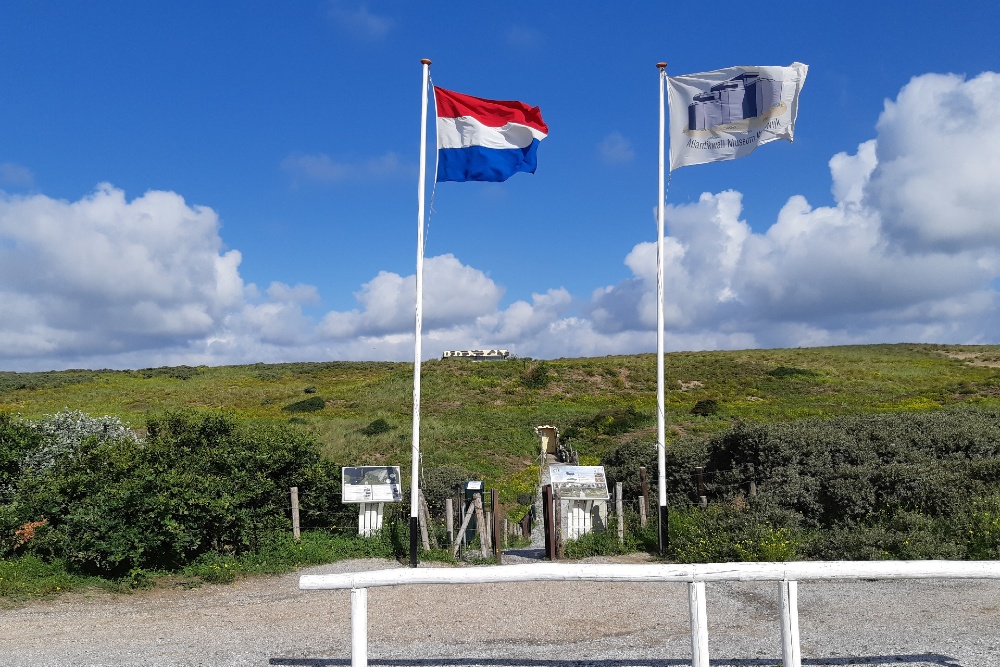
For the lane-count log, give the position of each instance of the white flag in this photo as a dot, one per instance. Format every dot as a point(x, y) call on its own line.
point(727, 113)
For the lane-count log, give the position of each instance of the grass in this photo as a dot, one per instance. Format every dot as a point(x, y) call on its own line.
point(29, 578)
point(482, 416)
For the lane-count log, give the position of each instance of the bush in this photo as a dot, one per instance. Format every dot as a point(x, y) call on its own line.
point(311, 404)
point(536, 377)
point(879, 486)
point(17, 439)
point(196, 484)
point(727, 532)
point(705, 407)
point(377, 427)
point(845, 471)
point(786, 371)
point(682, 456)
point(441, 482)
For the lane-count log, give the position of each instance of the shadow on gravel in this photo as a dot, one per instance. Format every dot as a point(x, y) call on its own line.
point(924, 659)
point(533, 554)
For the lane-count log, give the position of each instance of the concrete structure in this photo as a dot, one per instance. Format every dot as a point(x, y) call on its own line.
point(477, 355)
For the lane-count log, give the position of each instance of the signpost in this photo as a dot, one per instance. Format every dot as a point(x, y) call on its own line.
point(585, 490)
point(370, 487)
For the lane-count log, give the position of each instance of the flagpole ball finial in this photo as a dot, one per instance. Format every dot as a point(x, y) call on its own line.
point(661, 65)
point(425, 61)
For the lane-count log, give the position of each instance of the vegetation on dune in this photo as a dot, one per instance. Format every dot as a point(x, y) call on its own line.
point(886, 451)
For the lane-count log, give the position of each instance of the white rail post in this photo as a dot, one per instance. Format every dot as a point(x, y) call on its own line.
point(359, 627)
point(790, 655)
point(699, 624)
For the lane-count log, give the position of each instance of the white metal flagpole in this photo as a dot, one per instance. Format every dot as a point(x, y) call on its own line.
point(661, 430)
point(415, 454)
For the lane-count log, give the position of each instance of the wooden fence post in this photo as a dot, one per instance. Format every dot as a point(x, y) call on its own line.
point(548, 522)
point(558, 512)
point(751, 473)
point(699, 478)
point(477, 500)
point(620, 511)
point(494, 510)
point(644, 485)
point(449, 519)
point(427, 529)
point(642, 511)
point(295, 513)
point(461, 531)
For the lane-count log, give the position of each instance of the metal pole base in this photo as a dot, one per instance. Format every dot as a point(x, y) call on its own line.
point(664, 531)
point(413, 541)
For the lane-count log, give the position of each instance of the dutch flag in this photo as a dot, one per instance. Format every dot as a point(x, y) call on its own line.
point(485, 140)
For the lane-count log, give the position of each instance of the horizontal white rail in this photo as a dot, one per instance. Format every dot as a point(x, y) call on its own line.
point(795, 571)
point(695, 575)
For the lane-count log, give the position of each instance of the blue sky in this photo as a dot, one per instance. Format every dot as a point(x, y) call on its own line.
point(215, 183)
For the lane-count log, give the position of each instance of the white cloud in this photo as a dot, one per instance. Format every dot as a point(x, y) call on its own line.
point(615, 149)
point(303, 294)
point(358, 21)
point(908, 251)
point(106, 274)
point(453, 294)
point(15, 175)
point(938, 159)
point(321, 168)
point(524, 37)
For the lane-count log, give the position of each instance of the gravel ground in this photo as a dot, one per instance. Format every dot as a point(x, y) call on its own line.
point(268, 621)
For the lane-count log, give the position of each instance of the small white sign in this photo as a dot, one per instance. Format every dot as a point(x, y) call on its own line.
point(579, 482)
point(371, 484)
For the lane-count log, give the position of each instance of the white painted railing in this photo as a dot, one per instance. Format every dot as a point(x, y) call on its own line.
point(695, 575)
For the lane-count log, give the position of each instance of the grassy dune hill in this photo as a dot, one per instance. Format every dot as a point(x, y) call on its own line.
point(481, 415)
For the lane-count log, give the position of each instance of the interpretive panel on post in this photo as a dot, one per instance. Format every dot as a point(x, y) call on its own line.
point(371, 484)
point(579, 482)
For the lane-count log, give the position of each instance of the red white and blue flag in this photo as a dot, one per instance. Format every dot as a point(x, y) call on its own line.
point(485, 140)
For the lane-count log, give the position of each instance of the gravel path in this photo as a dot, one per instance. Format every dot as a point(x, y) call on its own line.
point(268, 621)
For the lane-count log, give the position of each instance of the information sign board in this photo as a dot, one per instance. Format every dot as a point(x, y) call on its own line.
point(371, 484)
point(579, 482)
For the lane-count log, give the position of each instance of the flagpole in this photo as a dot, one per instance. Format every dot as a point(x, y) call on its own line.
point(661, 429)
point(415, 454)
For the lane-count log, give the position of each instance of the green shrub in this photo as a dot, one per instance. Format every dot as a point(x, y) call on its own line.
point(174, 372)
point(726, 532)
point(705, 407)
point(196, 484)
point(877, 486)
point(980, 528)
point(441, 482)
point(377, 427)
point(17, 439)
point(786, 371)
point(536, 377)
point(603, 543)
point(614, 421)
point(311, 404)
point(682, 456)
